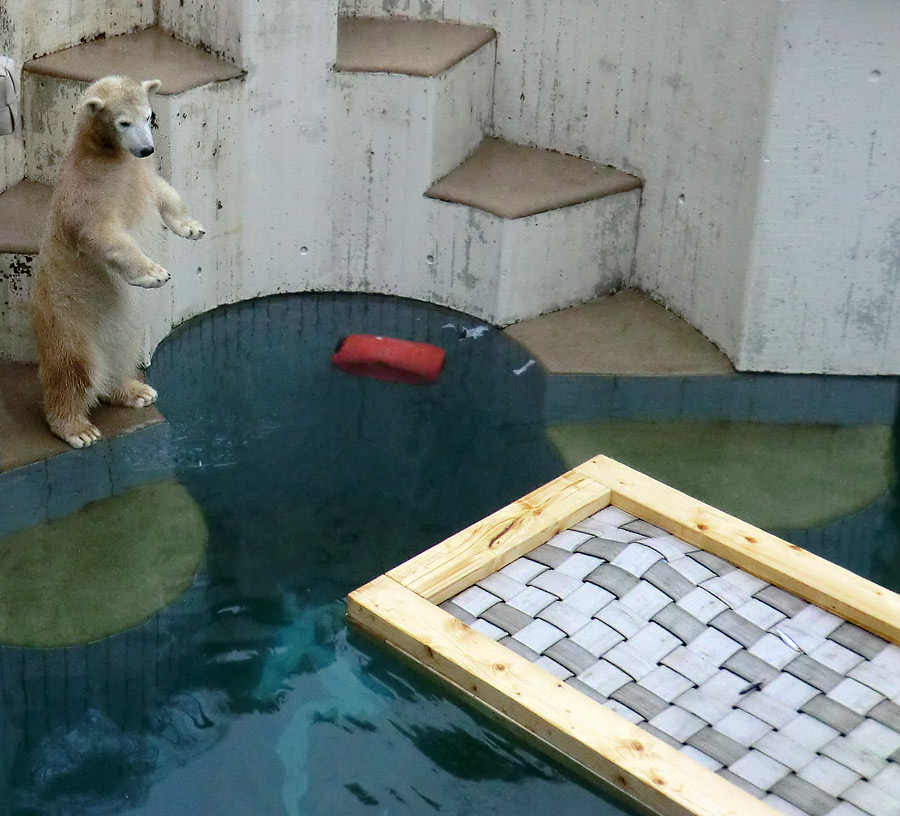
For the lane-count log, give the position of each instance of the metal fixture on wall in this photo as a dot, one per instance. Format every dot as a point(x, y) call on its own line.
point(9, 96)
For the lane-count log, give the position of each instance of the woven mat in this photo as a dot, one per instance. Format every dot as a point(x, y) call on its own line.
point(787, 701)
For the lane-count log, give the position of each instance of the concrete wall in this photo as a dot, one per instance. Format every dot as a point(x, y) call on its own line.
point(674, 92)
point(825, 269)
point(284, 181)
point(760, 130)
point(765, 142)
point(335, 166)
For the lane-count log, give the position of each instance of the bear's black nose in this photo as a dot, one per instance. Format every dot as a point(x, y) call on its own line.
point(145, 151)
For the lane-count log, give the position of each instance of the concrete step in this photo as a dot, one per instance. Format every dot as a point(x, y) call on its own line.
point(135, 449)
point(30, 30)
point(413, 47)
point(433, 79)
point(514, 181)
point(24, 208)
point(537, 230)
point(626, 334)
point(141, 54)
point(24, 436)
point(53, 84)
point(415, 99)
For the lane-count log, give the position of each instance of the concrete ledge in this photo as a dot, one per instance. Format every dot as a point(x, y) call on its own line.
point(513, 181)
point(148, 54)
point(767, 398)
point(24, 435)
point(623, 334)
point(23, 213)
point(411, 47)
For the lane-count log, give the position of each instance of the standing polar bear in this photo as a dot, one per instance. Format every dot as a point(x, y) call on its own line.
point(107, 205)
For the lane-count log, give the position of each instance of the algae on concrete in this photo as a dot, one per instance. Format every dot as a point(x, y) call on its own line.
point(778, 477)
point(108, 567)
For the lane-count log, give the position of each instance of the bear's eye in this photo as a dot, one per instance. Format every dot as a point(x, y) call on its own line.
point(124, 123)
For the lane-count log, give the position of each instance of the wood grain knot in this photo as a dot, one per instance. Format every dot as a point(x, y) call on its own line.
point(502, 533)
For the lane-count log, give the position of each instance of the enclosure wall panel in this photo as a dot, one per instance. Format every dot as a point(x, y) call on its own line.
point(826, 245)
point(674, 93)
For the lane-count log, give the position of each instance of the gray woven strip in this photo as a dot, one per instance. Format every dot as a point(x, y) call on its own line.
point(804, 795)
point(774, 694)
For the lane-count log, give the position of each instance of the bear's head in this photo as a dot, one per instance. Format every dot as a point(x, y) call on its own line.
point(115, 115)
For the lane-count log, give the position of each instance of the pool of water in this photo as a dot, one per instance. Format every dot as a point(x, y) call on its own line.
point(249, 694)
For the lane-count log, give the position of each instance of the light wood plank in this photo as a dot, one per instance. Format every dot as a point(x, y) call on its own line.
point(492, 543)
point(630, 759)
point(786, 565)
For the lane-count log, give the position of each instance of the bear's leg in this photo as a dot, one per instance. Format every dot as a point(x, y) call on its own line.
point(122, 385)
point(112, 246)
point(131, 394)
point(68, 386)
point(173, 212)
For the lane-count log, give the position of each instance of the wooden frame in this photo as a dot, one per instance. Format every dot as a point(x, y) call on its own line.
point(401, 609)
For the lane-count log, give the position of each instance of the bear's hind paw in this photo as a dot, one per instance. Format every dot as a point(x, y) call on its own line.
point(134, 394)
point(148, 397)
point(79, 435)
point(139, 395)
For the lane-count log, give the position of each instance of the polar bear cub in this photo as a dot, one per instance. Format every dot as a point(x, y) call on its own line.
point(107, 208)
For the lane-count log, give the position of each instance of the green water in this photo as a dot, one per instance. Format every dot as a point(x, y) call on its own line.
point(778, 477)
point(248, 694)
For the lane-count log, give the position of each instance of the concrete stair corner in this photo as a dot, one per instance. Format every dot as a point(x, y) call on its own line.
point(518, 231)
point(415, 99)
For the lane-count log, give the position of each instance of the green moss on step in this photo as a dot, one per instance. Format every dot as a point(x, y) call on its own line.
point(103, 569)
point(778, 477)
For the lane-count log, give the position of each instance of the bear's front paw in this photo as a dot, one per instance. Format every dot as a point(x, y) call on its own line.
point(154, 276)
point(189, 228)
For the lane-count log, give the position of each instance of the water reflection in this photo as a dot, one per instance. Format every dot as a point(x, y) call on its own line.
point(248, 695)
point(867, 542)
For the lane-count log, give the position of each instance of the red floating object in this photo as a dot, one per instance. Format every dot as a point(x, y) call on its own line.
point(389, 359)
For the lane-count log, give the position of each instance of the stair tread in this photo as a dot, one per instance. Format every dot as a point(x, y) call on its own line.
point(399, 46)
point(513, 181)
point(24, 436)
point(24, 208)
point(626, 334)
point(151, 53)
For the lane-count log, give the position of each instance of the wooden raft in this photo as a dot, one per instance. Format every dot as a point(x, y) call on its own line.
point(402, 609)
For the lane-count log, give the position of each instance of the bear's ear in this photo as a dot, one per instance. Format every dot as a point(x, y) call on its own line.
point(94, 104)
point(151, 86)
